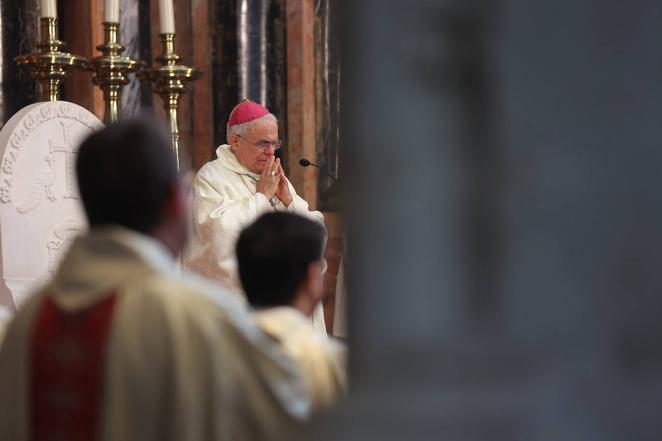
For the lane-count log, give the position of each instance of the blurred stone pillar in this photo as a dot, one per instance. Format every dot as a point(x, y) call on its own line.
point(505, 220)
point(19, 20)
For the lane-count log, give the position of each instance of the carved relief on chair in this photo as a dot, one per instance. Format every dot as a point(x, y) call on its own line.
point(40, 212)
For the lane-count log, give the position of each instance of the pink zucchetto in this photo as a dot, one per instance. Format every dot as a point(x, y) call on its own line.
point(246, 111)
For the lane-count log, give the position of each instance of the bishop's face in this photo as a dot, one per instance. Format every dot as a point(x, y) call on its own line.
point(247, 148)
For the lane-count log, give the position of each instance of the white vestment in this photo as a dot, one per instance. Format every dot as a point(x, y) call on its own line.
point(226, 201)
point(323, 360)
point(183, 359)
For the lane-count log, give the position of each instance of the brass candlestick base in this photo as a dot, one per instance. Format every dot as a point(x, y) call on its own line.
point(169, 81)
point(49, 65)
point(111, 70)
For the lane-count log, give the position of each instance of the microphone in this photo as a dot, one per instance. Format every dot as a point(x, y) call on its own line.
point(306, 163)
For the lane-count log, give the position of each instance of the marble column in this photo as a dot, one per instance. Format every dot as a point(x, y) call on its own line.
point(135, 36)
point(249, 58)
point(505, 225)
point(328, 32)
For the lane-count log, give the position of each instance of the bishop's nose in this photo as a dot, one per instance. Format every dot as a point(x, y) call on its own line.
point(270, 150)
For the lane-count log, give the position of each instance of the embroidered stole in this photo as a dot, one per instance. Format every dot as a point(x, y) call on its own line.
point(68, 358)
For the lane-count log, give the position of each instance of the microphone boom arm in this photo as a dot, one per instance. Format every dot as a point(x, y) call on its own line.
point(306, 163)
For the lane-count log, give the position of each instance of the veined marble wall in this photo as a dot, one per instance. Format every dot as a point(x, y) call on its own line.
point(249, 59)
point(327, 100)
point(19, 21)
point(135, 36)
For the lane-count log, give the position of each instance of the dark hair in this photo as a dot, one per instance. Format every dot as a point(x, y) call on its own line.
point(126, 172)
point(274, 254)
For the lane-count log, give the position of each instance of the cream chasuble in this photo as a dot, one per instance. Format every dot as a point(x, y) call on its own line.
point(323, 360)
point(177, 358)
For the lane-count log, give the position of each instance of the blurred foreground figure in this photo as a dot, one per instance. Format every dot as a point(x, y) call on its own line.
point(280, 266)
point(246, 180)
point(118, 347)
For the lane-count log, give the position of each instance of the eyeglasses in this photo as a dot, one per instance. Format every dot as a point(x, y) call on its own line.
point(262, 145)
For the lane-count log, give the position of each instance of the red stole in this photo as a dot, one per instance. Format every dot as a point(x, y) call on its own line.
point(67, 370)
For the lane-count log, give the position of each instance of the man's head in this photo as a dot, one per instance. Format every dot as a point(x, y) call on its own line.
point(280, 261)
point(252, 133)
point(127, 175)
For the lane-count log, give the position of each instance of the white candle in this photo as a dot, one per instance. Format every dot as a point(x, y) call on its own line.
point(167, 15)
point(112, 11)
point(48, 8)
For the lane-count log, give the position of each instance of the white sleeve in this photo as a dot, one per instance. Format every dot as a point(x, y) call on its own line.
point(300, 207)
point(218, 219)
point(217, 208)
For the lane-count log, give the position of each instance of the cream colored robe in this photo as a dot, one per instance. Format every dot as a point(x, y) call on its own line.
point(225, 202)
point(323, 360)
point(184, 359)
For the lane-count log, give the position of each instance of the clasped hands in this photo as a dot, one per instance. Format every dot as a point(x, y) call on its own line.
point(273, 182)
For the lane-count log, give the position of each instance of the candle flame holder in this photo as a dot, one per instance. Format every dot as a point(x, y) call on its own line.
point(169, 81)
point(49, 65)
point(111, 70)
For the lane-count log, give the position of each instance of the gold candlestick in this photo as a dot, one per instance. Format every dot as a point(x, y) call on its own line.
point(111, 70)
point(49, 65)
point(169, 81)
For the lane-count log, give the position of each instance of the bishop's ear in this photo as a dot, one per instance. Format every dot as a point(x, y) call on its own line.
point(233, 140)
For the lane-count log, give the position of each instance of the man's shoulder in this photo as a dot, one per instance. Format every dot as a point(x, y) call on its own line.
point(213, 169)
point(189, 292)
point(311, 343)
point(215, 176)
point(295, 332)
